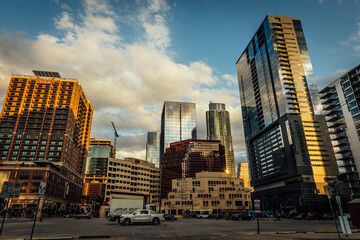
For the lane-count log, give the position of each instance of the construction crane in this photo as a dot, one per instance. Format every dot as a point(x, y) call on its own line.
point(116, 135)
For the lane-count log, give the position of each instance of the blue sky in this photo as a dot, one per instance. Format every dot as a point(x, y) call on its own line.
point(130, 56)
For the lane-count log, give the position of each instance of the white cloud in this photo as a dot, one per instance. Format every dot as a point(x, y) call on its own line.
point(152, 18)
point(323, 81)
point(354, 41)
point(127, 82)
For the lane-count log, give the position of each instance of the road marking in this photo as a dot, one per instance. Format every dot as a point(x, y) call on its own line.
point(164, 235)
point(288, 232)
point(220, 234)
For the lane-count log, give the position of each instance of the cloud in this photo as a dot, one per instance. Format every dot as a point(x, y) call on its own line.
point(323, 81)
point(126, 78)
point(339, 2)
point(153, 20)
point(354, 41)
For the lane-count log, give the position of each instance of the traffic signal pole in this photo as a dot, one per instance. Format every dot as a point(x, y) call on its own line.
point(6, 210)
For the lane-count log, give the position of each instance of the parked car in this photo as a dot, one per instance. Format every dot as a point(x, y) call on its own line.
point(142, 216)
point(327, 216)
point(215, 216)
point(284, 215)
point(203, 216)
point(300, 216)
point(241, 216)
point(314, 216)
point(83, 215)
point(170, 217)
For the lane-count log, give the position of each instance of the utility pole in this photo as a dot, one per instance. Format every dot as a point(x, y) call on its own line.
point(328, 193)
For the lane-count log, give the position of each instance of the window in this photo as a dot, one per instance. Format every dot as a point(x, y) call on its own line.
point(37, 175)
point(24, 175)
point(23, 187)
point(34, 187)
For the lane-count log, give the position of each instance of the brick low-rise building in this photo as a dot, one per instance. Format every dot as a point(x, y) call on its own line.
point(184, 159)
point(63, 188)
point(208, 192)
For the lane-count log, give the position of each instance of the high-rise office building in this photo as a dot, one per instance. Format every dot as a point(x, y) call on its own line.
point(153, 148)
point(288, 143)
point(341, 102)
point(45, 128)
point(100, 150)
point(219, 128)
point(185, 158)
point(178, 122)
point(243, 173)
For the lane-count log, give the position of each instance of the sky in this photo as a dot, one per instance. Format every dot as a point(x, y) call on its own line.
point(132, 55)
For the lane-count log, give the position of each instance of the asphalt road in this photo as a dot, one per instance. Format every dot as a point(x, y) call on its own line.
point(180, 229)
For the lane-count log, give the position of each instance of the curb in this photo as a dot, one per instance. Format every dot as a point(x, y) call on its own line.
point(288, 232)
point(51, 238)
point(327, 231)
point(14, 239)
point(96, 236)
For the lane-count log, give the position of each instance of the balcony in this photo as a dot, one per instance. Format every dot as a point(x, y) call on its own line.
point(331, 112)
point(336, 125)
point(337, 131)
point(333, 119)
point(330, 106)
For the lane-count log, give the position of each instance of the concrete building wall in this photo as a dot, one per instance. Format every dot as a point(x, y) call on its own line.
point(210, 192)
point(134, 178)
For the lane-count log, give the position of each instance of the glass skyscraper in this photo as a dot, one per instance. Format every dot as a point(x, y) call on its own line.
point(153, 148)
point(178, 122)
point(341, 101)
point(288, 144)
point(218, 128)
point(98, 155)
point(100, 150)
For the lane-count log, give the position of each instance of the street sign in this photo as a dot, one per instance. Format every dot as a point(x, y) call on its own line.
point(327, 190)
point(257, 205)
point(10, 190)
point(42, 189)
point(6, 190)
point(15, 191)
point(344, 223)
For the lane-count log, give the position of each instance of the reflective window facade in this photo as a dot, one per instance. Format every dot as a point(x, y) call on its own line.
point(153, 148)
point(178, 122)
point(219, 128)
point(341, 101)
point(97, 160)
point(286, 134)
point(100, 150)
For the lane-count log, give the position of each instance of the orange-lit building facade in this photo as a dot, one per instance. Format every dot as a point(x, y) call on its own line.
point(45, 126)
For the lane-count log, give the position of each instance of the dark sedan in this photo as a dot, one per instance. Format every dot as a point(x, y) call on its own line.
point(241, 216)
point(169, 217)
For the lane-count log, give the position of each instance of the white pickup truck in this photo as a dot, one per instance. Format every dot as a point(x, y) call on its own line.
point(142, 216)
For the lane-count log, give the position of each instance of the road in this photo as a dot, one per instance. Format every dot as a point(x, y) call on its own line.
point(180, 229)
